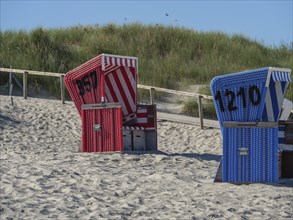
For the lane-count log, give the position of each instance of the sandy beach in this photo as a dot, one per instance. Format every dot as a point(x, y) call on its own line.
point(44, 177)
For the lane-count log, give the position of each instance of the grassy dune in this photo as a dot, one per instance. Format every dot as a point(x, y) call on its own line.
point(169, 57)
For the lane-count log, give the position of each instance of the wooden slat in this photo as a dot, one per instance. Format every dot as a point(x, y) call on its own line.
point(30, 72)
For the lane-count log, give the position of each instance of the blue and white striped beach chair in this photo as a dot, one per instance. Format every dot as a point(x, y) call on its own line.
point(248, 105)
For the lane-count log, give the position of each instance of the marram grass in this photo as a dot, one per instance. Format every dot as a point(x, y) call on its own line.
point(169, 57)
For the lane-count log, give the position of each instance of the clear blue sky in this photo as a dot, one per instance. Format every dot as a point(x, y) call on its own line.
point(269, 22)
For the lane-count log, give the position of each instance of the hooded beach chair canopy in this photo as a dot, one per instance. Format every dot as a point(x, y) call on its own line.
point(255, 95)
point(105, 78)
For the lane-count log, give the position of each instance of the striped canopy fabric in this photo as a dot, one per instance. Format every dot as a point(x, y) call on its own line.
point(105, 78)
point(120, 86)
point(282, 76)
point(277, 83)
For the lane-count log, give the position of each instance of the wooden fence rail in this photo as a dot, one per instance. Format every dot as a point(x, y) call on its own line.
point(151, 89)
point(25, 74)
point(182, 93)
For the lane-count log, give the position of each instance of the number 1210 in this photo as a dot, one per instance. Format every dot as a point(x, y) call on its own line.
point(253, 93)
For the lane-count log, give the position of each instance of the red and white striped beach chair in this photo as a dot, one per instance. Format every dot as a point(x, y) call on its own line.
point(94, 88)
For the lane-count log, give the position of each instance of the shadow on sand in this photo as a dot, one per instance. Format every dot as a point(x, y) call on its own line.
point(6, 120)
point(207, 157)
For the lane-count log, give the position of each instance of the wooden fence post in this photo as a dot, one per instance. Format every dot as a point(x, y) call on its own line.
point(25, 75)
point(10, 77)
point(62, 89)
point(152, 95)
point(10, 93)
point(200, 111)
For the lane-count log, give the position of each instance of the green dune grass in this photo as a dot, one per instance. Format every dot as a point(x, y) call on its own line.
point(169, 57)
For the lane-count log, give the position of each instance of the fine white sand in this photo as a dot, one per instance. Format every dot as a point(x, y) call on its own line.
point(43, 176)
